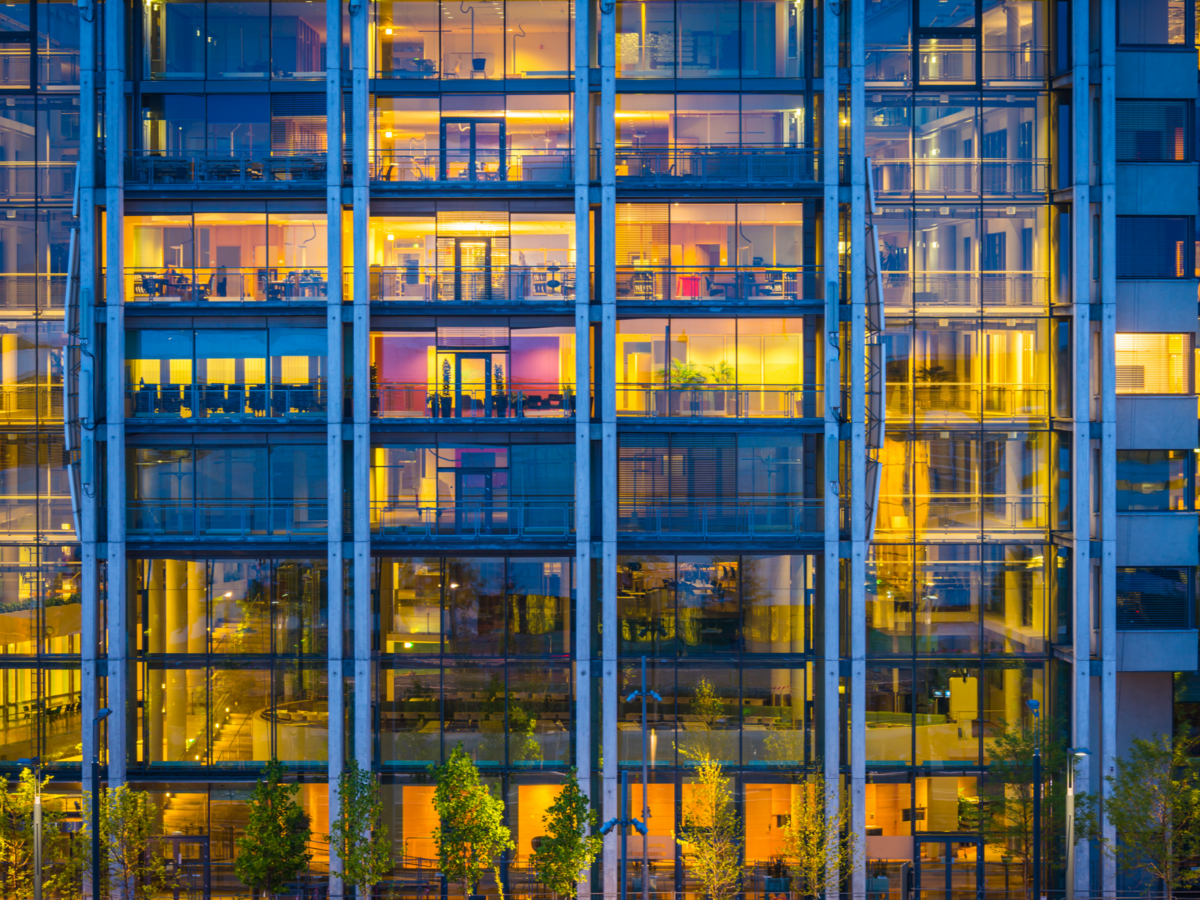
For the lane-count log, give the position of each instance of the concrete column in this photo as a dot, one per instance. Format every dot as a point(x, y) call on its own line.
point(583, 427)
point(1104, 761)
point(119, 723)
point(197, 602)
point(156, 642)
point(1081, 450)
point(829, 640)
point(859, 527)
point(359, 52)
point(333, 425)
point(606, 363)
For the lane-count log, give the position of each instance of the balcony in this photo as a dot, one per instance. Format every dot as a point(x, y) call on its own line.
point(172, 520)
point(476, 166)
point(473, 284)
point(26, 516)
point(709, 166)
point(44, 179)
point(28, 292)
point(720, 401)
point(226, 403)
point(29, 404)
point(405, 519)
point(949, 403)
point(721, 284)
point(961, 177)
point(393, 400)
point(721, 519)
point(156, 169)
point(966, 292)
point(960, 514)
point(221, 285)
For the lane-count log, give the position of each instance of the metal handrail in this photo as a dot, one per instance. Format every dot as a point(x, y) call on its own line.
point(949, 177)
point(488, 283)
point(222, 285)
point(479, 166)
point(716, 165)
point(722, 519)
point(267, 169)
point(723, 401)
point(417, 400)
point(225, 402)
point(232, 519)
point(737, 284)
point(403, 518)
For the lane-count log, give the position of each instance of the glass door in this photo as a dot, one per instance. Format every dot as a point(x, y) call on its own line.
point(477, 492)
point(472, 269)
point(473, 384)
point(948, 869)
point(473, 150)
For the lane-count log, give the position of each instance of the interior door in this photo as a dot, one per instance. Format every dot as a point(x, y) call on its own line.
point(473, 150)
point(948, 869)
point(473, 269)
point(473, 384)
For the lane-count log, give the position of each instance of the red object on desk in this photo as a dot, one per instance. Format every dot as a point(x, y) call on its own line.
point(687, 286)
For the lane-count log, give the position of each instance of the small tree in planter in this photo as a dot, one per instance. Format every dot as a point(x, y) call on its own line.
point(131, 867)
point(818, 846)
point(358, 835)
point(471, 831)
point(711, 832)
point(274, 849)
point(568, 849)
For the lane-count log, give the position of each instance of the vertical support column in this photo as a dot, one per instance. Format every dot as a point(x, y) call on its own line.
point(88, 280)
point(1081, 450)
point(830, 599)
point(333, 426)
point(114, 375)
point(858, 442)
point(361, 198)
point(606, 359)
point(583, 406)
point(1108, 431)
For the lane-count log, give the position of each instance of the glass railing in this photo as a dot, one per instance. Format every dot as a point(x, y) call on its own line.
point(948, 402)
point(278, 284)
point(962, 513)
point(966, 291)
point(954, 177)
point(156, 168)
point(396, 400)
point(715, 166)
point(476, 166)
point(721, 518)
point(29, 180)
point(720, 401)
point(406, 519)
point(27, 404)
point(233, 519)
point(27, 516)
point(226, 402)
point(736, 284)
point(473, 284)
point(1018, 64)
point(30, 292)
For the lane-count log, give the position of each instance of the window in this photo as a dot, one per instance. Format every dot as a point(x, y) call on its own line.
point(1154, 363)
point(1154, 247)
point(1161, 22)
point(1153, 598)
point(1152, 480)
point(1153, 130)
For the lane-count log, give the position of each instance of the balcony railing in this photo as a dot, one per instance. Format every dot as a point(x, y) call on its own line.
point(31, 292)
point(764, 166)
point(25, 404)
point(720, 401)
point(276, 284)
point(478, 166)
point(26, 516)
point(725, 284)
point(152, 168)
point(394, 400)
point(962, 513)
point(403, 519)
point(226, 402)
point(721, 519)
point(473, 284)
point(949, 402)
point(226, 519)
point(1021, 64)
point(955, 177)
point(965, 291)
point(29, 180)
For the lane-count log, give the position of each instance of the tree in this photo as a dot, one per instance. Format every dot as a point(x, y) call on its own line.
point(358, 836)
point(1153, 802)
point(274, 849)
point(471, 831)
point(131, 867)
point(818, 845)
point(567, 849)
point(1006, 817)
point(711, 832)
point(16, 841)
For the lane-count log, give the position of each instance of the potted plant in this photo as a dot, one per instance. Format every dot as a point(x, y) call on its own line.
point(723, 374)
point(499, 394)
point(682, 375)
point(934, 376)
point(447, 399)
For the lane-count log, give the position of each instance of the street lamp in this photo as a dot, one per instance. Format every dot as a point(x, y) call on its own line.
point(36, 765)
point(100, 716)
point(1075, 753)
point(1037, 799)
point(644, 693)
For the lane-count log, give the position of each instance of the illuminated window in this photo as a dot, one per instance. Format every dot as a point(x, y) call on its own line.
point(1154, 363)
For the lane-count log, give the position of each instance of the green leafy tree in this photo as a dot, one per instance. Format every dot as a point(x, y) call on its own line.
point(1153, 802)
point(274, 849)
point(818, 847)
point(568, 847)
point(711, 832)
point(358, 835)
point(16, 841)
point(471, 833)
point(131, 866)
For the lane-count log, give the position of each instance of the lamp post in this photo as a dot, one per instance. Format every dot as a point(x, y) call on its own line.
point(101, 715)
point(1074, 754)
point(644, 693)
point(36, 765)
point(1037, 799)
